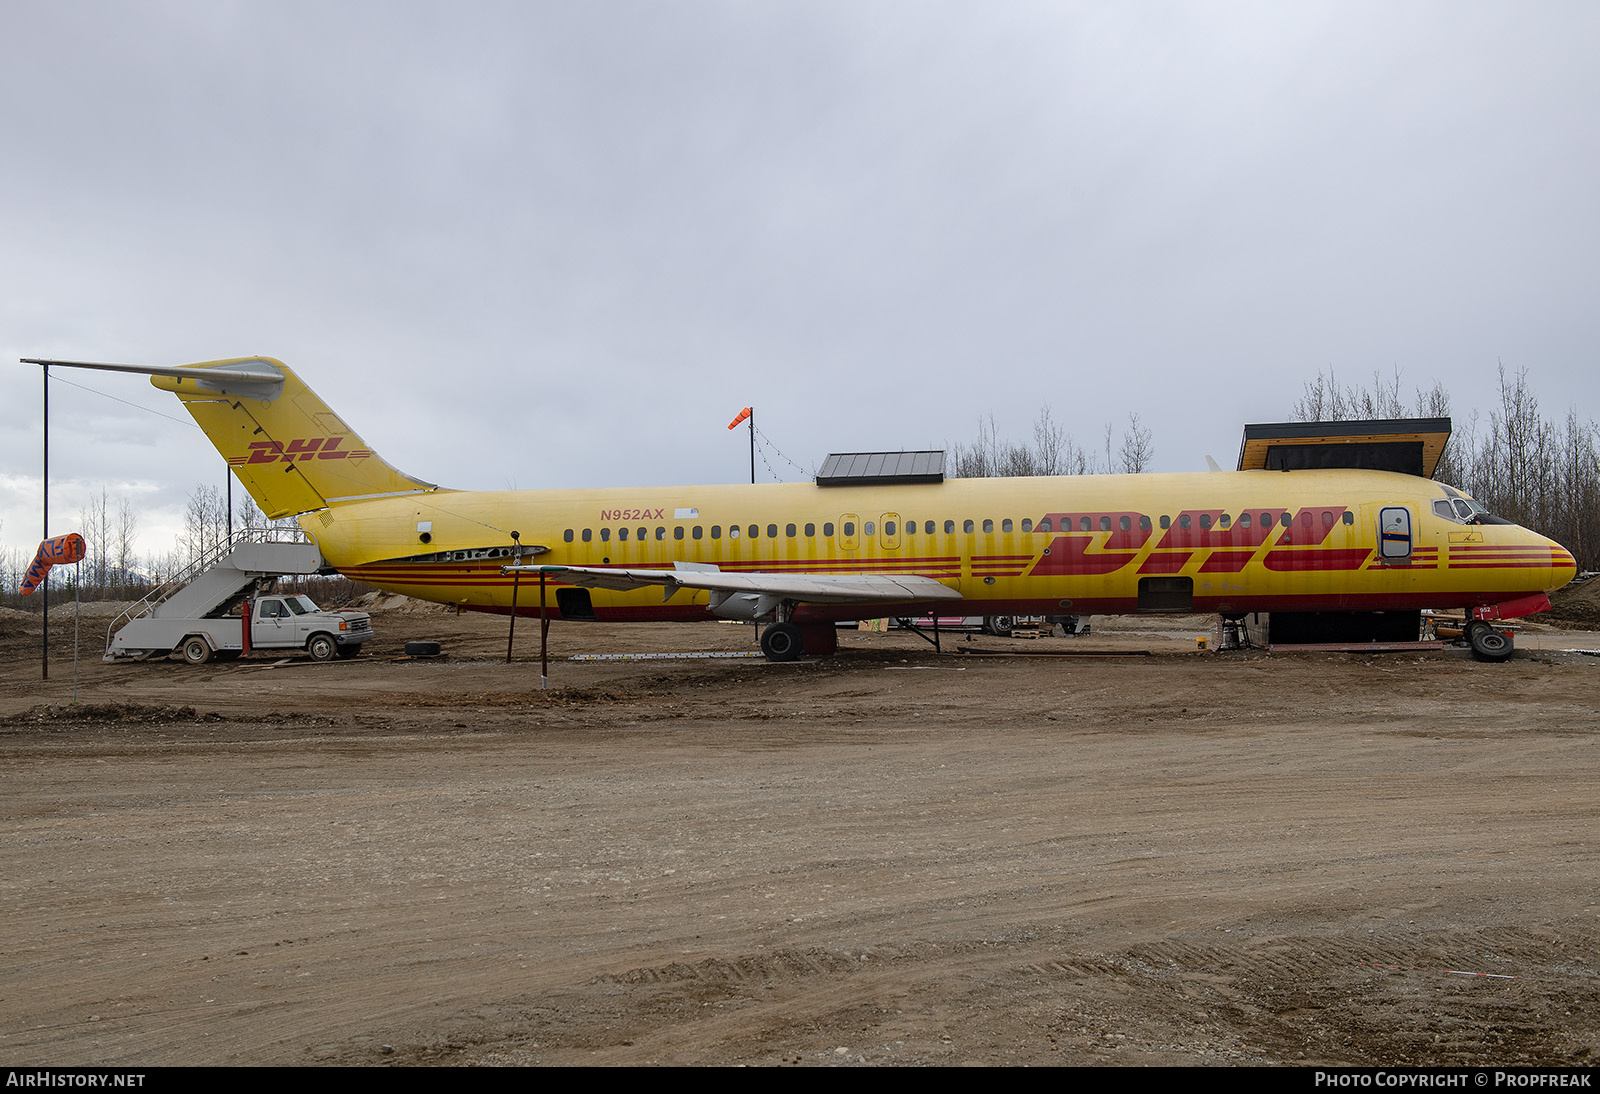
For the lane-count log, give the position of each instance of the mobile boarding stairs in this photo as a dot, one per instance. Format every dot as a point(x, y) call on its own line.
point(206, 590)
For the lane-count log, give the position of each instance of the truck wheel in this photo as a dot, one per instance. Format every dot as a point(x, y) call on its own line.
point(999, 625)
point(322, 648)
point(196, 650)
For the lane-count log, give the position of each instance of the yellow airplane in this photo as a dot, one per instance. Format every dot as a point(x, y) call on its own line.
point(1340, 552)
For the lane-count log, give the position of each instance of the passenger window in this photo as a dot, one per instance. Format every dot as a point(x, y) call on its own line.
point(1046, 525)
point(772, 531)
point(811, 530)
point(1124, 523)
point(868, 528)
point(622, 534)
point(888, 528)
point(1286, 520)
point(1349, 517)
point(1166, 522)
point(911, 527)
point(1005, 524)
point(967, 526)
point(1205, 520)
point(733, 531)
point(927, 528)
point(1084, 524)
point(755, 531)
point(586, 536)
point(827, 529)
point(988, 525)
point(1144, 522)
point(1027, 524)
point(696, 532)
point(661, 533)
point(567, 535)
point(1223, 520)
point(677, 532)
point(716, 531)
point(1105, 524)
point(1183, 521)
point(849, 528)
point(1244, 520)
point(788, 530)
point(605, 534)
point(950, 528)
point(1327, 518)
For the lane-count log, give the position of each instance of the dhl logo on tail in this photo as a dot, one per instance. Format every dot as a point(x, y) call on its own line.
point(321, 448)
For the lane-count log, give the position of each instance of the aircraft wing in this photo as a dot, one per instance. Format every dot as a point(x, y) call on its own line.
point(808, 588)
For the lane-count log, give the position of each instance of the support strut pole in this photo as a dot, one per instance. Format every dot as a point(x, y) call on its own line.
point(544, 638)
point(511, 635)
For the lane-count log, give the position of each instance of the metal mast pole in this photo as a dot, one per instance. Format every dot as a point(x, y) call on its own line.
point(44, 648)
point(752, 446)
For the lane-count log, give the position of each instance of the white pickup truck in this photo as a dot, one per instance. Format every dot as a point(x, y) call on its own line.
point(278, 621)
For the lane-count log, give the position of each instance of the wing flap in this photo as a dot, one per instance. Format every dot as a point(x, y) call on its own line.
point(809, 588)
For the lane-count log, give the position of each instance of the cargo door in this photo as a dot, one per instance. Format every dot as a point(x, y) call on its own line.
point(1394, 533)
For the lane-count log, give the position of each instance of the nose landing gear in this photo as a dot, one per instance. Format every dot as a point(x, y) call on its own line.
point(1487, 643)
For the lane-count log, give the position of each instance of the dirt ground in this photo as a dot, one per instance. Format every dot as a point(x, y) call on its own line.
point(1129, 853)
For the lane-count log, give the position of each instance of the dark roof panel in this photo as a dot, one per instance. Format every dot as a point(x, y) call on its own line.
point(1411, 446)
point(881, 468)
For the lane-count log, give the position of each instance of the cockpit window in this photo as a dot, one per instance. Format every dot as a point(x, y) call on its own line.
point(1464, 510)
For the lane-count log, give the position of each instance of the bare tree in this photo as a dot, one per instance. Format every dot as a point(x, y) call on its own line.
point(1052, 453)
point(1138, 452)
point(1050, 442)
point(125, 533)
point(205, 521)
point(1326, 400)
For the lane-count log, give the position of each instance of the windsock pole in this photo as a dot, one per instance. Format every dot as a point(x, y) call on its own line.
point(750, 413)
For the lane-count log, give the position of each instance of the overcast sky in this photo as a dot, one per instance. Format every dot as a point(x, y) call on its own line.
point(561, 244)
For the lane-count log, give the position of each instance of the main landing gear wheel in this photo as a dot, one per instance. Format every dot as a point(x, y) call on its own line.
point(196, 651)
point(1487, 643)
point(782, 642)
point(999, 625)
point(322, 648)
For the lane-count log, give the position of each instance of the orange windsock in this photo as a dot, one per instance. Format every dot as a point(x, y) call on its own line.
point(743, 414)
point(58, 550)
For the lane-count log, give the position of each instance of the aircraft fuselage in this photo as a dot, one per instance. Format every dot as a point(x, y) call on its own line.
point(1231, 542)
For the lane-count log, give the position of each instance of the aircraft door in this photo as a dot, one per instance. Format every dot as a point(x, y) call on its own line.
point(889, 532)
point(849, 532)
point(1394, 533)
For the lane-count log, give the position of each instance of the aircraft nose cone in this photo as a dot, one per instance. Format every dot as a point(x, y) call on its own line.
point(1563, 567)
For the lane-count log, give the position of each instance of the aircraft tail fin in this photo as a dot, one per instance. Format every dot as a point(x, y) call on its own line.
point(289, 450)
